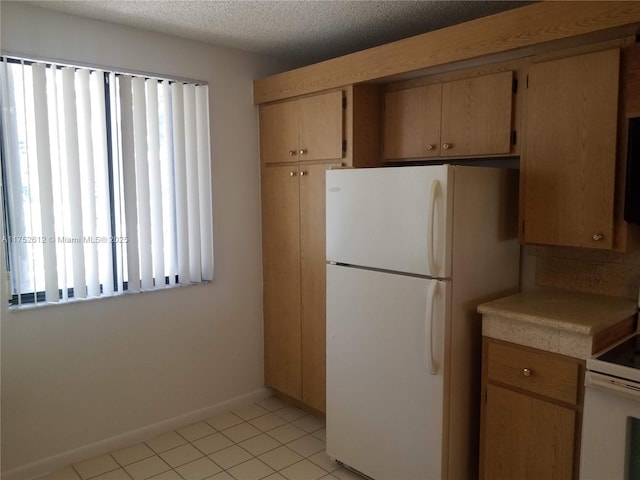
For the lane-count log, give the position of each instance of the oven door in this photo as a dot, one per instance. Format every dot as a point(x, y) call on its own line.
point(610, 429)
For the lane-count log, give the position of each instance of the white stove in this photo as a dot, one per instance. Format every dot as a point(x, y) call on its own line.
point(611, 416)
point(620, 364)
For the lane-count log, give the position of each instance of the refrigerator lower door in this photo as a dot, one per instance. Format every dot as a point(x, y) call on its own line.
point(385, 351)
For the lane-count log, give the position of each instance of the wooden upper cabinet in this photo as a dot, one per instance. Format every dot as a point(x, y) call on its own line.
point(412, 122)
point(279, 132)
point(476, 115)
point(569, 156)
point(461, 118)
point(309, 128)
point(320, 124)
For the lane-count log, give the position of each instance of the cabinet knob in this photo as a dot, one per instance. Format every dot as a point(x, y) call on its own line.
point(293, 174)
point(526, 372)
point(303, 173)
point(446, 146)
point(597, 237)
point(430, 146)
point(303, 151)
point(292, 153)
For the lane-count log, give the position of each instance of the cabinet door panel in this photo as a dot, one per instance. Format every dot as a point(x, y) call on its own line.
point(570, 151)
point(321, 129)
point(279, 132)
point(281, 267)
point(412, 122)
point(526, 438)
point(476, 115)
point(312, 280)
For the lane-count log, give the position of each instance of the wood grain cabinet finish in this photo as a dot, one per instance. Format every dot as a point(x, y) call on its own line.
point(321, 132)
point(531, 413)
point(569, 158)
point(293, 217)
point(476, 115)
point(534, 371)
point(305, 129)
point(281, 279)
point(466, 117)
point(412, 122)
point(527, 438)
point(312, 282)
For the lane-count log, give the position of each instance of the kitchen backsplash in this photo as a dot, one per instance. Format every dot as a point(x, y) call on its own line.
point(584, 270)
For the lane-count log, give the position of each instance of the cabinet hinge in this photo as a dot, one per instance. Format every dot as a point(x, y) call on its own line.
point(523, 227)
point(344, 145)
point(344, 102)
point(514, 137)
point(515, 85)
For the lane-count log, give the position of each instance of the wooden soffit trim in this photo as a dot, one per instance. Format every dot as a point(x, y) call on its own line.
point(536, 24)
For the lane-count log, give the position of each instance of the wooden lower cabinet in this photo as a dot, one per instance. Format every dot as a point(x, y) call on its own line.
point(281, 279)
point(293, 218)
point(526, 437)
point(312, 285)
point(531, 413)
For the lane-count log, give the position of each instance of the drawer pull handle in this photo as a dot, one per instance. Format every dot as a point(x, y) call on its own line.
point(526, 372)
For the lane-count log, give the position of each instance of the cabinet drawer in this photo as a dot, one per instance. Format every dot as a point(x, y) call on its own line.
point(538, 372)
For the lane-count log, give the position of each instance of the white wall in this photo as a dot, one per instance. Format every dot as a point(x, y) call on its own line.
point(82, 373)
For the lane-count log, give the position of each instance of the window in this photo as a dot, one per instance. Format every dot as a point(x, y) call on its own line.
point(107, 182)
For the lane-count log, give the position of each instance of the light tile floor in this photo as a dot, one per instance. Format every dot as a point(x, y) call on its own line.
point(268, 440)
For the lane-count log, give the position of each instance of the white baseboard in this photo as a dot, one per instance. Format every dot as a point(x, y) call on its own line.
point(55, 462)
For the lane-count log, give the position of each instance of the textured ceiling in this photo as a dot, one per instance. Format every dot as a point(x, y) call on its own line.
point(303, 32)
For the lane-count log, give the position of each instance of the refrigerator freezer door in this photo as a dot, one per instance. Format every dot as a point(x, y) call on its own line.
point(385, 351)
point(396, 219)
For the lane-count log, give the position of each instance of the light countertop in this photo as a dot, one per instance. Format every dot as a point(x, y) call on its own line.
point(555, 320)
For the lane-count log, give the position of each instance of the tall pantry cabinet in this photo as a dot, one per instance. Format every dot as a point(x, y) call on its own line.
point(299, 140)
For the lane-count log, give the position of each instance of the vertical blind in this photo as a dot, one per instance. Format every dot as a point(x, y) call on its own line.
point(107, 182)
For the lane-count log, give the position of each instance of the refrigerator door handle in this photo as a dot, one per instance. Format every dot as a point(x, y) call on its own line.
point(431, 254)
point(428, 329)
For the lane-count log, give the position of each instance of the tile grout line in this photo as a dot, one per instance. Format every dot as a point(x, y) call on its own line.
point(288, 419)
point(99, 474)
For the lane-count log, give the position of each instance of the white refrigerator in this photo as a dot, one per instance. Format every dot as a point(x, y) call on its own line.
point(411, 252)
